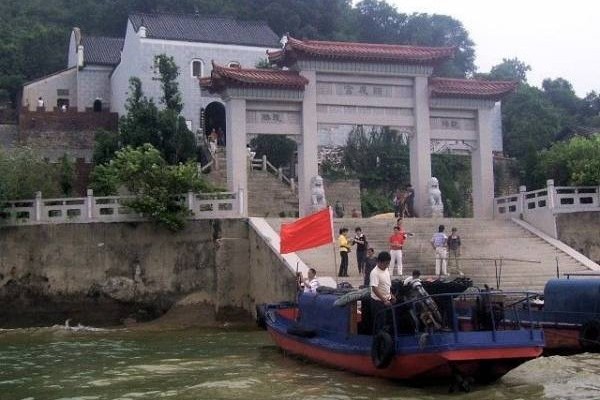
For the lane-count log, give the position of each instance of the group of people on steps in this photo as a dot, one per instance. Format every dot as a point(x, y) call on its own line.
point(444, 247)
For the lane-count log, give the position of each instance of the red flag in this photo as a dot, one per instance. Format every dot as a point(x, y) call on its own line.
point(307, 232)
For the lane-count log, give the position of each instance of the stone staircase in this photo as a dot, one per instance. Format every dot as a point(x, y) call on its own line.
point(523, 260)
point(218, 173)
point(269, 197)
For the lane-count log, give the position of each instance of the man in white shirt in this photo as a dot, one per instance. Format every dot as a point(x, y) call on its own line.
point(311, 283)
point(381, 295)
point(439, 243)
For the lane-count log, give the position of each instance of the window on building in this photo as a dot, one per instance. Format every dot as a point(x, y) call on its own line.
point(234, 64)
point(62, 92)
point(197, 68)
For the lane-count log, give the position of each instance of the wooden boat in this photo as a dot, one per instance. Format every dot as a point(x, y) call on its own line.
point(469, 343)
point(569, 315)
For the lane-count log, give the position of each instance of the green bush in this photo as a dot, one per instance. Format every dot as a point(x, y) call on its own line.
point(23, 173)
point(154, 183)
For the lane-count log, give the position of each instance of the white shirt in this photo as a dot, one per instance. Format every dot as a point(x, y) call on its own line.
point(439, 239)
point(383, 281)
point(311, 286)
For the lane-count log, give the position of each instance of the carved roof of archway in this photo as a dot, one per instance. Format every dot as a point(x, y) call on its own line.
point(295, 49)
point(222, 77)
point(470, 88)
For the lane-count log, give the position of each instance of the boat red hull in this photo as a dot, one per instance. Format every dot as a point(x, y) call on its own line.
point(562, 338)
point(492, 362)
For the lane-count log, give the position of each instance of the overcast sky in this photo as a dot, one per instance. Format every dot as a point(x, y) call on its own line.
point(556, 38)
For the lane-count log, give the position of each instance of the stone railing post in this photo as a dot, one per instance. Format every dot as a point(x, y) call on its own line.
point(191, 200)
point(264, 162)
point(293, 184)
point(37, 204)
point(280, 173)
point(89, 204)
point(521, 202)
point(551, 193)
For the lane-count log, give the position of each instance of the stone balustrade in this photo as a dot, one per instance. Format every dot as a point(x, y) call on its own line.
point(538, 207)
point(112, 208)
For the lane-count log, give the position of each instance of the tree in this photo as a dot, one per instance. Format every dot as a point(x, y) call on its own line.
point(379, 22)
point(576, 162)
point(164, 129)
point(379, 158)
point(442, 30)
point(560, 93)
point(140, 124)
point(510, 69)
point(155, 184)
point(167, 76)
point(278, 149)
point(530, 124)
point(23, 173)
point(105, 146)
point(454, 175)
point(66, 175)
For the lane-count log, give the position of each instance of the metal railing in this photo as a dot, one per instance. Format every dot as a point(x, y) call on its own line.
point(459, 312)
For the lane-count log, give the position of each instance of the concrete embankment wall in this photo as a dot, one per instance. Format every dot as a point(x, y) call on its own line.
point(105, 273)
point(581, 231)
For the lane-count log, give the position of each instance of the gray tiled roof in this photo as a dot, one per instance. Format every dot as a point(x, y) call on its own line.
point(207, 29)
point(102, 50)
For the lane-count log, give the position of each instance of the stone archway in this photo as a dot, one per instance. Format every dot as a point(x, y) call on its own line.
point(214, 118)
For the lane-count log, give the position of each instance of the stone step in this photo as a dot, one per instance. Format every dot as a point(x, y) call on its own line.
point(499, 239)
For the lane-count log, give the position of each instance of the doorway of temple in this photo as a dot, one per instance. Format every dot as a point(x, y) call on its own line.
point(215, 123)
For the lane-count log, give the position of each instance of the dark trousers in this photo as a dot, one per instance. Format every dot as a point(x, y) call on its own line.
point(343, 264)
point(381, 320)
point(361, 259)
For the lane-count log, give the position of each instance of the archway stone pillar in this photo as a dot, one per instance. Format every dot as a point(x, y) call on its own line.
point(420, 145)
point(308, 148)
point(482, 167)
point(237, 155)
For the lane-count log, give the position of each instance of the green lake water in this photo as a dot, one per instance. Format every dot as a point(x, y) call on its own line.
point(54, 363)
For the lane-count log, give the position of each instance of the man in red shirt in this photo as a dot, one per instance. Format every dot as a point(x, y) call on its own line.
point(396, 242)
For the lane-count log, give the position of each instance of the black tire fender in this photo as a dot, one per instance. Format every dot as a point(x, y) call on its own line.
point(589, 336)
point(382, 349)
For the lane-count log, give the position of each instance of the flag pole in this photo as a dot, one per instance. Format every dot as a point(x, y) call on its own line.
point(333, 246)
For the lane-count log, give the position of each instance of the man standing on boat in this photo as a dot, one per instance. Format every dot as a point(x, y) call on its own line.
point(370, 264)
point(381, 295)
point(311, 283)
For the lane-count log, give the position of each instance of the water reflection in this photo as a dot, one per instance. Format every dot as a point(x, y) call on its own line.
point(203, 364)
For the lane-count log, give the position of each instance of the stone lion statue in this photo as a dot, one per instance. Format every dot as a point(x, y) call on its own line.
point(317, 191)
point(435, 208)
point(435, 195)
